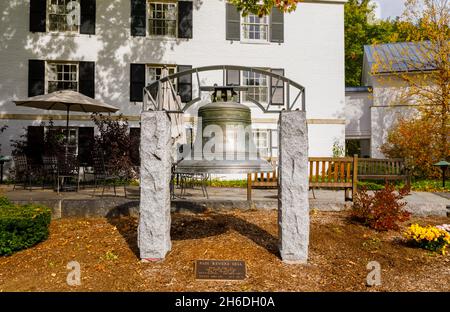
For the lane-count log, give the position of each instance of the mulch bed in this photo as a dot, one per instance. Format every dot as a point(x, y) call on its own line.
point(339, 253)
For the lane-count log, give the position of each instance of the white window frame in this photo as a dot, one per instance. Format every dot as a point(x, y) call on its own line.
point(77, 31)
point(257, 133)
point(163, 2)
point(47, 72)
point(243, 79)
point(159, 66)
point(244, 22)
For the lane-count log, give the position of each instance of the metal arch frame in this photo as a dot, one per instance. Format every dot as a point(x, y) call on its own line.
point(287, 83)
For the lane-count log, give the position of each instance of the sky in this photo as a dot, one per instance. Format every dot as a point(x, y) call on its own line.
point(389, 8)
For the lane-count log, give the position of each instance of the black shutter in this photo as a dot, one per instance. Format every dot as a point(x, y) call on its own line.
point(185, 19)
point(38, 15)
point(277, 87)
point(276, 25)
point(233, 78)
point(35, 143)
point(87, 17)
point(85, 144)
point(87, 78)
point(36, 77)
point(137, 82)
point(233, 16)
point(185, 84)
point(138, 17)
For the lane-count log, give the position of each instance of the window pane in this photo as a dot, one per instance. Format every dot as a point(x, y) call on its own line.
point(162, 19)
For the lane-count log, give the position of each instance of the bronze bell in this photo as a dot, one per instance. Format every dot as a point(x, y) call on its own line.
point(224, 141)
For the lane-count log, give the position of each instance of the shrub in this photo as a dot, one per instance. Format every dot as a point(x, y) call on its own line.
point(419, 143)
point(431, 238)
point(22, 226)
point(382, 210)
point(116, 143)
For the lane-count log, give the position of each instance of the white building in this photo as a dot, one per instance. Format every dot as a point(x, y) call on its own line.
point(371, 111)
point(120, 46)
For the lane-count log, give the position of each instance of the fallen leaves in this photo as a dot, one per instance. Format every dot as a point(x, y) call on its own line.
point(108, 255)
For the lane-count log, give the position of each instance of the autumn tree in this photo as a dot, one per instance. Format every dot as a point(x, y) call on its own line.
point(415, 141)
point(425, 74)
point(264, 7)
point(362, 28)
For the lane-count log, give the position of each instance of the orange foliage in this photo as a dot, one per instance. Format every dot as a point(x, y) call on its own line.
point(418, 141)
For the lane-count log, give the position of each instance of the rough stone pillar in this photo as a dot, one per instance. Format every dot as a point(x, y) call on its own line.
point(293, 203)
point(154, 218)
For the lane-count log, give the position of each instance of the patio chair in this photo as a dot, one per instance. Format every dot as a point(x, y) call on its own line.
point(103, 174)
point(49, 170)
point(68, 168)
point(23, 172)
point(190, 180)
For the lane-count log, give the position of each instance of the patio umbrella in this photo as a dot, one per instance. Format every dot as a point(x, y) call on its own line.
point(67, 100)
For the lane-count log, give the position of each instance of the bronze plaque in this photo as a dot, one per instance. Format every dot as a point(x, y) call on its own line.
point(228, 270)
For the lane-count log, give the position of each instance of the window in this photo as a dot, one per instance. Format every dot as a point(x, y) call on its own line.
point(62, 76)
point(154, 72)
point(63, 15)
point(255, 28)
point(360, 147)
point(261, 139)
point(258, 87)
point(162, 19)
point(60, 134)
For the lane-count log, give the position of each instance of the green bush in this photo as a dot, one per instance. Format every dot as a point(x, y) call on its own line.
point(22, 226)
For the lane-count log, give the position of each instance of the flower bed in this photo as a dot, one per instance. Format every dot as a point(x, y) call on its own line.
point(432, 238)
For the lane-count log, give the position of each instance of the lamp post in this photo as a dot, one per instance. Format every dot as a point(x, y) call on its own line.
point(443, 165)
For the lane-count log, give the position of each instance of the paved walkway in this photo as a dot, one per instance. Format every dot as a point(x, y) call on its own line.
point(419, 203)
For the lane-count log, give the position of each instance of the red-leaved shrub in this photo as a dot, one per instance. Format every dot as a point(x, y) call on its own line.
point(382, 210)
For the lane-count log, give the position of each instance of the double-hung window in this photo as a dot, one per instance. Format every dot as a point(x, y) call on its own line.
point(162, 18)
point(154, 72)
point(63, 15)
point(257, 87)
point(261, 139)
point(62, 76)
point(255, 28)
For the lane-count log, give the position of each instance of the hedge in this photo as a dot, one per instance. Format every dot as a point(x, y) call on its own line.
point(22, 226)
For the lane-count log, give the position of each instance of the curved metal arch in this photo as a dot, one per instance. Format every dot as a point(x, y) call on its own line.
point(287, 83)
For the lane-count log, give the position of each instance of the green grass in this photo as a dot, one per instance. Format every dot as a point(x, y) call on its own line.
point(228, 183)
point(418, 185)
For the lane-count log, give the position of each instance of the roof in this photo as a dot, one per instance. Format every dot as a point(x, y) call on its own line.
point(398, 57)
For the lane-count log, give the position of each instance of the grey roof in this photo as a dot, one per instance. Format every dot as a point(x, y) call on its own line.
point(399, 57)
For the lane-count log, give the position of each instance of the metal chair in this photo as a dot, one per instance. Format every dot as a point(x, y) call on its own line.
point(49, 170)
point(68, 168)
point(189, 180)
point(102, 173)
point(23, 171)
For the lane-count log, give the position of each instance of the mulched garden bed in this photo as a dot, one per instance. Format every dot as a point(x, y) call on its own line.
point(339, 252)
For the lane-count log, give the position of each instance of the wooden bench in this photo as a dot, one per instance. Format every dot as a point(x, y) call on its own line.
point(329, 172)
point(382, 169)
point(336, 173)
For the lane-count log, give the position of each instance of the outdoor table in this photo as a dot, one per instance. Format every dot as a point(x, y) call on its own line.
point(3, 159)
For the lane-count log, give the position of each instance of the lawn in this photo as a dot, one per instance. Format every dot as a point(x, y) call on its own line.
point(339, 253)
